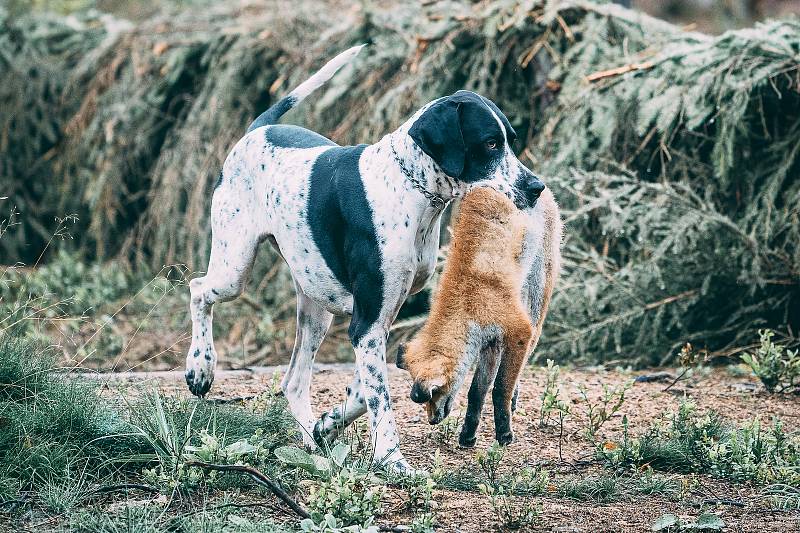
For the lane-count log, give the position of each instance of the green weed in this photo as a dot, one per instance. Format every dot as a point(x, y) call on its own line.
point(551, 396)
point(596, 414)
point(692, 442)
point(776, 366)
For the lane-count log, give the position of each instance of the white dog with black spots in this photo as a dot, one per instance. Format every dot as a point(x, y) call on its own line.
point(359, 229)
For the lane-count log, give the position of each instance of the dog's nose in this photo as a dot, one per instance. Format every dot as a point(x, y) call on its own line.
point(534, 187)
point(529, 188)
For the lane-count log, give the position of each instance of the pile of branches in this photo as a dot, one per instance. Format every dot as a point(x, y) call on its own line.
point(673, 153)
point(686, 228)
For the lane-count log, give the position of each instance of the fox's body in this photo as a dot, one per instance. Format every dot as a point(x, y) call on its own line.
point(489, 307)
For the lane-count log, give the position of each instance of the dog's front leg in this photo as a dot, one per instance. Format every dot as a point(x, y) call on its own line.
point(371, 360)
point(337, 419)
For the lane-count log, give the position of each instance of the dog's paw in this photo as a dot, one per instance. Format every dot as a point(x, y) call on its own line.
point(506, 438)
point(199, 382)
point(200, 362)
point(319, 436)
point(402, 468)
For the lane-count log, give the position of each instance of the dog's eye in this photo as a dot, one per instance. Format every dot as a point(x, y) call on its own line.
point(491, 144)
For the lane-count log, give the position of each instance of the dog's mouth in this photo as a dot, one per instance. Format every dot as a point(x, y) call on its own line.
point(522, 201)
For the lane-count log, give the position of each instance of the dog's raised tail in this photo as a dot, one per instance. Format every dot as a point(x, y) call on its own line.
point(274, 113)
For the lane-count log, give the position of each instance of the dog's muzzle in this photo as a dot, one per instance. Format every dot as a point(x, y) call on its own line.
point(528, 189)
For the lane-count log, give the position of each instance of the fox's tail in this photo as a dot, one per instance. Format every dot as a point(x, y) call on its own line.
point(274, 113)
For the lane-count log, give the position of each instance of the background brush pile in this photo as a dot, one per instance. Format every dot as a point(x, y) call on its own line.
point(673, 153)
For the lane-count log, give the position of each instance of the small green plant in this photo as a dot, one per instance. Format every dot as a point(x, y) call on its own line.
point(419, 492)
point(348, 494)
point(598, 413)
point(602, 488)
point(705, 522)
point(522, 516)
point(446, 430)
point(354, 498)
point(551, 395)
point(423, 523)
point(330, 524)
point(499, 489)
point(776, 366)
point(316, 465)
point(489, 462)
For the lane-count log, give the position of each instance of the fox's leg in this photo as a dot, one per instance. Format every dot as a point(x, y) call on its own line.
point(516, 342)
point(485, 373)
point(514, 399)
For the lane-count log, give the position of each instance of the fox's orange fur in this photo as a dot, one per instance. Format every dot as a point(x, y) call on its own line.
point(490, 303)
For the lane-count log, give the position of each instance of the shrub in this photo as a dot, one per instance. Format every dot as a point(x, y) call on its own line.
point(352, 497)
point(691, 442)
point(777, 367)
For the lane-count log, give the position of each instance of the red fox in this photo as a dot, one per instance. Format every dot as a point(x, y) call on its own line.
point(490, 306)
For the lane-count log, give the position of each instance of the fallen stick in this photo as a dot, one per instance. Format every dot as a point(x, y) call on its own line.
point(121, 487)
point(259, 478)
point(619, 70)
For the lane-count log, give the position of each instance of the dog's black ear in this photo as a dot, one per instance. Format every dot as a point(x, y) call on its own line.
point(511, 135)
point(438, 132)
point(400, 360)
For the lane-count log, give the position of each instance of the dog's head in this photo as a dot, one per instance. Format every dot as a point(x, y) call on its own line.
point(470, 140)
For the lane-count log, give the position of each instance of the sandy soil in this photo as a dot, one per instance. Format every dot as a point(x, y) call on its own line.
point(736, 398)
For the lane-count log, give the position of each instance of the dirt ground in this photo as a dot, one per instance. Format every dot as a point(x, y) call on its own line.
point(736, 398)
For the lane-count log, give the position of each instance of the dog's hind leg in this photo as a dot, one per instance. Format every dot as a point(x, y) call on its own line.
point(313, 322)
point(232, 255)
point(334, 421)
point(485, 373)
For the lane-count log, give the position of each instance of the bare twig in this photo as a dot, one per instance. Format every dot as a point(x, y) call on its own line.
point(619, 70)
point(259, 478)
point(677, 379)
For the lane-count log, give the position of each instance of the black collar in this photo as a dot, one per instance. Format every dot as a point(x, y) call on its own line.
point(435, 200)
